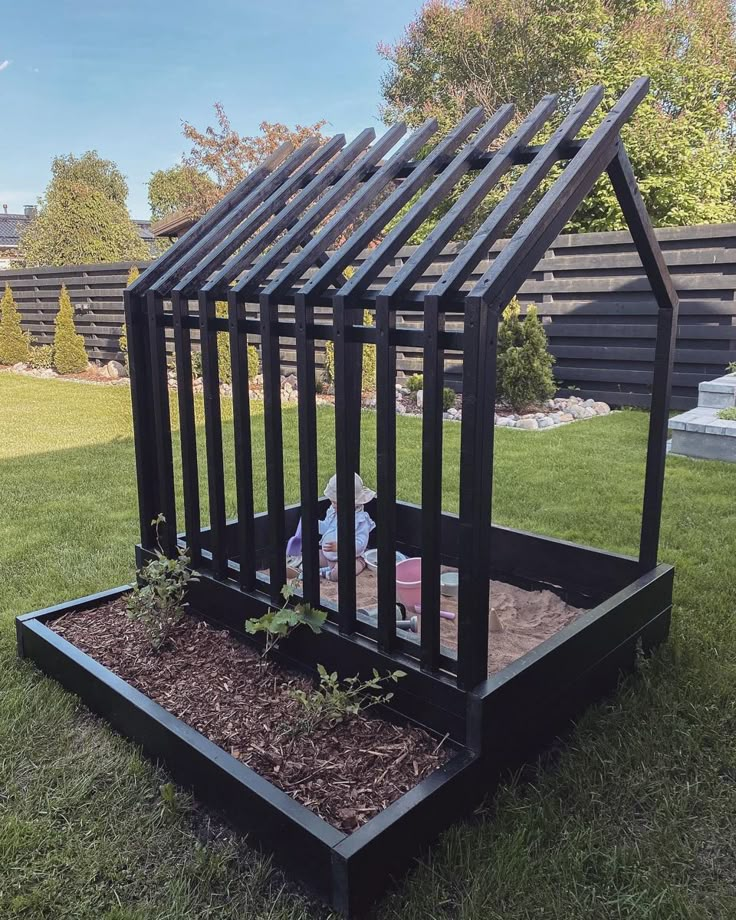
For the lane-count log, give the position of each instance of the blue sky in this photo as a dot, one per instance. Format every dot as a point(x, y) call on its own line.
point(120, 77)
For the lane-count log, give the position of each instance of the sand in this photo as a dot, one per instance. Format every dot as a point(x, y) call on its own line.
point(527, 617)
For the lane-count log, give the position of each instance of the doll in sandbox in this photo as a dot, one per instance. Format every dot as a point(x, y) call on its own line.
point(328, 531)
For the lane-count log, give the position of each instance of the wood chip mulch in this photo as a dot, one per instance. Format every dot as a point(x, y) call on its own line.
point(346, 774)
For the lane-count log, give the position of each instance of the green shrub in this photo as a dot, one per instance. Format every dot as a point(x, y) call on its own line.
point(731, 368)
point(13, 341)
point(368, 379)
point(224, 364)
point(524, 363)
point(42, 356)
point(70, 355)
point(415, 383)
point(157, 600)
point(728, 415)
point(448, 398)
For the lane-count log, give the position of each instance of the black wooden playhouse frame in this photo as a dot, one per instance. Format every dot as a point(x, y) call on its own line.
point(280, 243)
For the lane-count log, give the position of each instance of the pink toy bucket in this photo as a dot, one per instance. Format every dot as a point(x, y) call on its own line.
point(409, 582)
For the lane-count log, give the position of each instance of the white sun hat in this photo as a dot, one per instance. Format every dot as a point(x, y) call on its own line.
point(362, 493)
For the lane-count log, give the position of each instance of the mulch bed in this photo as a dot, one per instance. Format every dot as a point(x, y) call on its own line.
point(346, 774)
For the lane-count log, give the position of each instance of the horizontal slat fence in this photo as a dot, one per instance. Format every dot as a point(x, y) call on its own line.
point(590, 292)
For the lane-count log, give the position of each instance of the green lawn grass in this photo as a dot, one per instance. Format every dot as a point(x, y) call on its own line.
point(633, 819)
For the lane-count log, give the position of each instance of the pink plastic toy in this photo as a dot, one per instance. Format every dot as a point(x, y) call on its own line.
point(409, 586)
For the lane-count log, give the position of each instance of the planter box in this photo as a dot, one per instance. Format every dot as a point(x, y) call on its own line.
point(347, 870)
point(506, 720)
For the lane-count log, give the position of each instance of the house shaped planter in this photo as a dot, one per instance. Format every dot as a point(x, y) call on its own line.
point(289, 250)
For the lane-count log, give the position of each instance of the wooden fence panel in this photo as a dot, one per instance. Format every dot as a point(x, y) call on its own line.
point(589, 290)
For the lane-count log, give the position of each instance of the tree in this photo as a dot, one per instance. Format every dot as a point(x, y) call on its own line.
point(681, 140)
point(83, 217)
point(180, 188)
point(13, 341)
point(218, 159)
point(70, 355)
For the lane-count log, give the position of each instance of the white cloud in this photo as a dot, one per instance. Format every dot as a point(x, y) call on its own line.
point(4, 65)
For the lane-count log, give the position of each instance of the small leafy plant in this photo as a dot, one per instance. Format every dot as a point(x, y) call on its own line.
point(731, 367)
point(415, 383)
point(278, 624)
point(336, 700)
point(728, 415)
point(158, 603)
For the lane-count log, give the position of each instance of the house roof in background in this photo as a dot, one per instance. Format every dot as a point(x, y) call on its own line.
point(12, 225)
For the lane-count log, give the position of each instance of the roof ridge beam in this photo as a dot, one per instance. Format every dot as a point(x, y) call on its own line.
point(470, 199)
point(320, 243)
point(277, 199)
point(289, 216)
point(428, 201)
point(526, 247)
point(477, 248)
point(321, 209)
point(197, 233)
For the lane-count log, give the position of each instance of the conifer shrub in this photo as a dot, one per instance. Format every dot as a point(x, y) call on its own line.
point(13, 341)
point(70, 355)
point(448, 398)
point(224, 360)
point(524, 362)
point(368, 381)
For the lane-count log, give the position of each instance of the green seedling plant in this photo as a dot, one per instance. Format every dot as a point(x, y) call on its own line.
point(731, 367)
point(335, 700)
point(157, 600)
point(728, 415)
point(278, 624)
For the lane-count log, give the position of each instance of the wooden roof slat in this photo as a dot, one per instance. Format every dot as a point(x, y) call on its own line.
point(290, 214)
point(352, 209)
point(267, 209)
point(471, 198)
point(491, 229)
point(531, 240)
point(321, 209)
point(427, 202)
point(185, 244)
point(233, 218)
point(436, 160)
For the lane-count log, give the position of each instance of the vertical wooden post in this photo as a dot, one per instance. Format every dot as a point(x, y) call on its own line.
point(159, 394)
point(476, 488)
point(432, 421)
point(344, 465)
point(271, 361)
point(139, 366)
point(386, 471)
point(243, 442)
point(187, 426)
point(308, 471)
point(213, 434)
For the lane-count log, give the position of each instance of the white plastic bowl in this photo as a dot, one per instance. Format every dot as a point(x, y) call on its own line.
point(371, 558)
point(448, 584)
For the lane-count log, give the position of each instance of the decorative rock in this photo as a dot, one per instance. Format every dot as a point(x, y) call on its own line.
point(602, 408)
point(401, 408)
point(589, 403)
point(115, 370)
point(545, 423)
point(503, 421)
point(20, 366)
point(566, 417)
point(292, 381)
point(420, 398)
point(529, 424)
point(226, 389)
